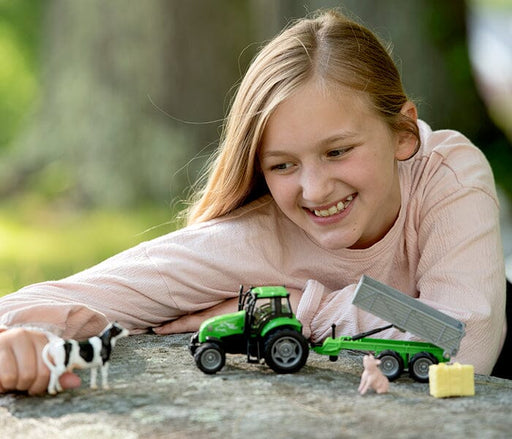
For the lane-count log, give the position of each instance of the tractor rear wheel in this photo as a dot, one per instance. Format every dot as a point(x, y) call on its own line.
point(285, 350)
point(210, 358)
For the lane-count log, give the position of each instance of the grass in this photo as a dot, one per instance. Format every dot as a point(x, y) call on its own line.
point(39, 242)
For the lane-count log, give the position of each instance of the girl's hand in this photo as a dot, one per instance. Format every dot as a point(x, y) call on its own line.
point(191, 322)
point(21, 364)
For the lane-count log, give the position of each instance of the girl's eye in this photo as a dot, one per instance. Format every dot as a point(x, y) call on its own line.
point(281, 167)
point(338, 152)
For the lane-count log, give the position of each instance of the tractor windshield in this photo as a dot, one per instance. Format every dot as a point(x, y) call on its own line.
point(270, 307)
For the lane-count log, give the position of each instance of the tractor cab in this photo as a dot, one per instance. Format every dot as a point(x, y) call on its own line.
point(262, 305)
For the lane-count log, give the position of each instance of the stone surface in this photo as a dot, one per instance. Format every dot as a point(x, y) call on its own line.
point(157, 392)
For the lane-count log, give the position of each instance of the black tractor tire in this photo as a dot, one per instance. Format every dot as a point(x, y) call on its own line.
point(392, 364)
point(419, 365)
point(210, 358)
point(285, 350)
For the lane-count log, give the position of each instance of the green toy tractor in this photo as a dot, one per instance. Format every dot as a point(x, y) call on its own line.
point(263, 328)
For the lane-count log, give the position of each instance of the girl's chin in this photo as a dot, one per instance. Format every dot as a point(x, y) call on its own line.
point(332, 243)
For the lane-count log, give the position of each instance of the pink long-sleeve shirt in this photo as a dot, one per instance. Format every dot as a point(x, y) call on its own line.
point(444, 249)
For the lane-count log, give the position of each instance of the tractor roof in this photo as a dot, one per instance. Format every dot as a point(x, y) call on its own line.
point(270, 291)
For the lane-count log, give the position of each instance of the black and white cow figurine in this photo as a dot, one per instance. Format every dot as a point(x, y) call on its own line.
point(90, 354)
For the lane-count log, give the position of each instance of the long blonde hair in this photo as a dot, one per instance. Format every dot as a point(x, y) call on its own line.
point(328, 46)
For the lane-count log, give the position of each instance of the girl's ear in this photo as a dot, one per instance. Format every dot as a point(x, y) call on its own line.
point(407, 143)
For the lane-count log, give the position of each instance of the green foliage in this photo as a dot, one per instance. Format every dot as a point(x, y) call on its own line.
point(19, 36)
point(497, 4)
point(42, 244)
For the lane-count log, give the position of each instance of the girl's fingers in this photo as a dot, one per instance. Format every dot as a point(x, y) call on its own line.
point(8, 368)
point(27, 364)
point(70, 380)
point(40, 384)
point(24, 362)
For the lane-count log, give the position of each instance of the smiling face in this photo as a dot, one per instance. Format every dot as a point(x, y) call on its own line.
point(330, 163)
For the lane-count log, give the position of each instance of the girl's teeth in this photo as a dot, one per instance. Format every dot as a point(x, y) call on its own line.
point(335, 209)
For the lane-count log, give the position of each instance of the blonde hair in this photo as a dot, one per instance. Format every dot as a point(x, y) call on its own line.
point(328, 46)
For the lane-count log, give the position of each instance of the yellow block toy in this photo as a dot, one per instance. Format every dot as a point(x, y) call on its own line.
point(451, 380)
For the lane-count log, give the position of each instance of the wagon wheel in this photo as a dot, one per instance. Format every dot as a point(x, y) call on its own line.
point(419, 364)
point(391, 364)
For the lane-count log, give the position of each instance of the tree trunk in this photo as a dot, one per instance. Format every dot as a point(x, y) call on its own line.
point(119, 80)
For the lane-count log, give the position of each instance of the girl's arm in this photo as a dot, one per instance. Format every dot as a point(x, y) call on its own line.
point(128, 288)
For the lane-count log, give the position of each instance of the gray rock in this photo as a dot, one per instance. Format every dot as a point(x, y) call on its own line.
point(158, 392)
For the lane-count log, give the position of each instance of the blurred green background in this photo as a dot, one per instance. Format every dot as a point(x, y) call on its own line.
point(109, 108)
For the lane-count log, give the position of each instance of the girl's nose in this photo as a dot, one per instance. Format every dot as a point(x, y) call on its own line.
point(316, 185)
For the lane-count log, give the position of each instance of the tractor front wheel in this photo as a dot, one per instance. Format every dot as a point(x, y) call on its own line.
point(286, 350)
point(210, 358)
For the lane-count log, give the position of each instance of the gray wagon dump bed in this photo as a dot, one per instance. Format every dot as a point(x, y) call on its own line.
point(409, 314)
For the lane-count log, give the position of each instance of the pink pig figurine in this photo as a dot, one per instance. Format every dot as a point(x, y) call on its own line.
point(372, 377)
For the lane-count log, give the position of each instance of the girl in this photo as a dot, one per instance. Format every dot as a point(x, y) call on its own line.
point(324, 173)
